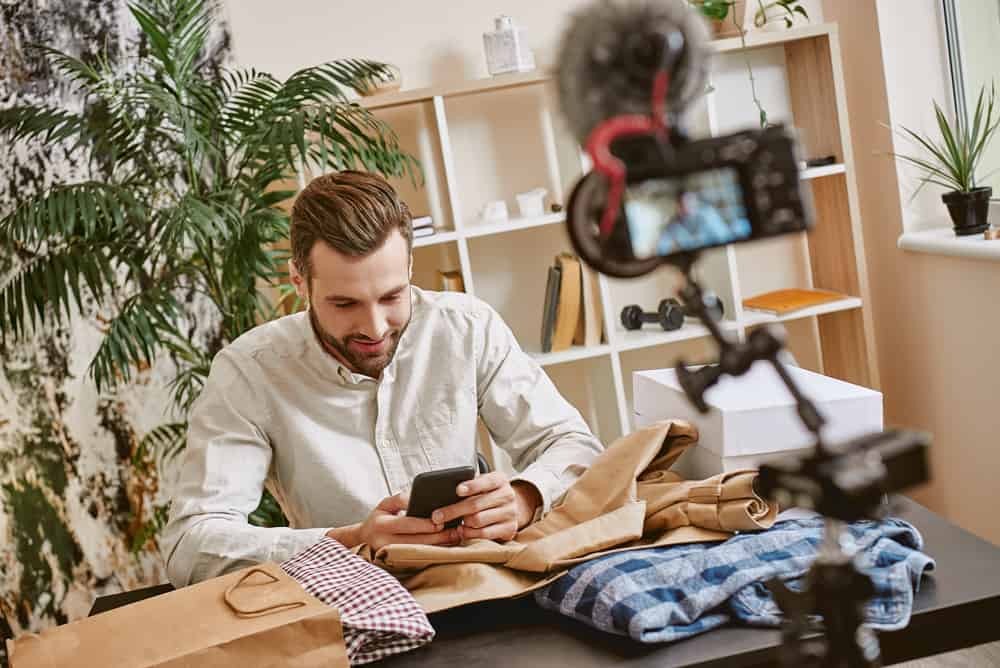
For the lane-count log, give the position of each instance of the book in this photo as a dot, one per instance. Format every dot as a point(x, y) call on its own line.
point(781, 302)
point(549, 309)
point(568, 310)
point(451, 281)
point(423, 232)
point(590, 326)
point(422, 221)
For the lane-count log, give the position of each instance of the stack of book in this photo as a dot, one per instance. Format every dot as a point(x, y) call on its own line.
point(423, 226)
point(572, 311)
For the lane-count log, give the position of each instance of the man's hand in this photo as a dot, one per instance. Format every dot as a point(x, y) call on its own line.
point(387, 525)
point(492, 507)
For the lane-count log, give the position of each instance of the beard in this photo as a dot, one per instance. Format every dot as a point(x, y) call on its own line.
point(369, 364)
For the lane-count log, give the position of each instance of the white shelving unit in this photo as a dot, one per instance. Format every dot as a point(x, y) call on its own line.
point(490, 139)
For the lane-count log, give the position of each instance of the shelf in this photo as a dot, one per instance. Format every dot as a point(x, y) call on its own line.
point(644, 338)
point(467, 88)
point(436, 238)
point(572, 354)
point(514, 224)
point(752, 318)
point(942, 241)
point(755, 39)
point(825, 170)
point(759, 39)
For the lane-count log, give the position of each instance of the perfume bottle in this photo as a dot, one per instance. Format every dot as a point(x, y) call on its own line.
point(507, 48)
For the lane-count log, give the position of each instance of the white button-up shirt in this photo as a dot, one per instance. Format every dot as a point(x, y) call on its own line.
point(278, 409)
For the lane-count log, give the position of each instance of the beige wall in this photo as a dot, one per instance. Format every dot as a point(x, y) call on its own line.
point(935, 317)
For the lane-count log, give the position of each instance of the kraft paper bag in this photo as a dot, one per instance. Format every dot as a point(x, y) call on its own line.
point(257, 616)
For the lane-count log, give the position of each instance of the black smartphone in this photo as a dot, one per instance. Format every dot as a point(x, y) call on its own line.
point(436, 489)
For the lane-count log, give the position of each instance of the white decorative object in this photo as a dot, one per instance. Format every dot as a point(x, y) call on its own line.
point(507, 48)
point(532, 203)
point(752, 418)
point(494, 212)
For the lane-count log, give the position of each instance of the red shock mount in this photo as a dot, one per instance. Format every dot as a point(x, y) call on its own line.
point(606, 163)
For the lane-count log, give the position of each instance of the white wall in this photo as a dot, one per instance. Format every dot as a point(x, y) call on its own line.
point(433, 41)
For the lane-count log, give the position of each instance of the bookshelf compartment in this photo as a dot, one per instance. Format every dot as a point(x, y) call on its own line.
point(510, 272)
point(713, 273)
point(595, 398)
point(428, 260)
point(501, 145)
point(786, 259)
point(419, 135)
point(801, 342)
point(694, 351)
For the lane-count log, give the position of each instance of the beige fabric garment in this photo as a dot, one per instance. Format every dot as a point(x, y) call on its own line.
point(627, 499)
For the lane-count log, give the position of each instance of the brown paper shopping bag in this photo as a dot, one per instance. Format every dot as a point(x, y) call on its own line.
point(257, 616)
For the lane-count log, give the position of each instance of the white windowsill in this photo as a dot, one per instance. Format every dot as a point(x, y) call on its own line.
point(942, 241)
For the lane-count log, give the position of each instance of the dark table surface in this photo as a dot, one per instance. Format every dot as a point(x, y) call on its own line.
point(958, 605)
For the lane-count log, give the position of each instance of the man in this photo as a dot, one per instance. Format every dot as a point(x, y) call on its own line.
point(337, 409)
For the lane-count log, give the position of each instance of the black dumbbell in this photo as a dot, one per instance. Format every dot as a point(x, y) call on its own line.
point(669, 314)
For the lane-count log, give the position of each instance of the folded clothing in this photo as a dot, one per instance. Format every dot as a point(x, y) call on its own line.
point(668, 593)
point(379, 617)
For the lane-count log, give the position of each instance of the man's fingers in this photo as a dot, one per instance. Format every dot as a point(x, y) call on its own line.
point(401, 524)
point(393, 504)
point(489, 517)
point(446, 537)
point(500, 532)
point(475, 504)
point(482, 484)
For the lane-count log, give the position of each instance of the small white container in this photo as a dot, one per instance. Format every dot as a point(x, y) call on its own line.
point(752, 418)
point(532, 203)
point(507, 48)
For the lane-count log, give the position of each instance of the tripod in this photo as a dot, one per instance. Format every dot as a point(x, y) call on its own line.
point(844, 483)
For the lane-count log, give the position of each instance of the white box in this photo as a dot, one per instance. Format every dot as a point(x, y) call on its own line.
point(752, 418)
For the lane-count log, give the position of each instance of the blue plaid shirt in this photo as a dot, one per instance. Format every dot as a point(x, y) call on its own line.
point(669, 593)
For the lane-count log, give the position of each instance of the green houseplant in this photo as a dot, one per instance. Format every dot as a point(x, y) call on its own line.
point(951, 160)
point(174, 236)
point(774, 14)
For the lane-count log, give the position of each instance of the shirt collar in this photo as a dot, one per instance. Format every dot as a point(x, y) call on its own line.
point(333, 368)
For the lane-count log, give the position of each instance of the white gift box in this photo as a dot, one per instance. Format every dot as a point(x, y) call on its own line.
point(752, 418)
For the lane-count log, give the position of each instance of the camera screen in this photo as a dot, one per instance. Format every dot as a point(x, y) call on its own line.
point(698, 210)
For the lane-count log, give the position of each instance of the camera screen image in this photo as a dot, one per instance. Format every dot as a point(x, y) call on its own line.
point(698, 210)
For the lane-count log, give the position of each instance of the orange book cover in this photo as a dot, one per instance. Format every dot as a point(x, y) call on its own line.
point(780, 302)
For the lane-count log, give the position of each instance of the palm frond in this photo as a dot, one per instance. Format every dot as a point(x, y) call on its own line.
point(143, 325)
point(163, 442)
point(50, 280)
point(88, 210)
point(38, 122)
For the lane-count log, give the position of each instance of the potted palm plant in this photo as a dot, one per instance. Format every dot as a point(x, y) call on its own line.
point(951, 160)
point(171, 239)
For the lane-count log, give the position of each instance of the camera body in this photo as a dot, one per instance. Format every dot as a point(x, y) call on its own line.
point(689, 195)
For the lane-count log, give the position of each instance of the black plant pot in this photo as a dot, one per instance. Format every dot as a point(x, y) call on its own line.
point(969, 210)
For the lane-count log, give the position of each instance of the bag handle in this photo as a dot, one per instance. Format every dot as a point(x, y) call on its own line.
point(257, 612)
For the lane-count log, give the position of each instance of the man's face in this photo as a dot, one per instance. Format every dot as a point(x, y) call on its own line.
point(359, 306)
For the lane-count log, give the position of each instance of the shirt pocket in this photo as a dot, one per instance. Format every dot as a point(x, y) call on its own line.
point(437, 430)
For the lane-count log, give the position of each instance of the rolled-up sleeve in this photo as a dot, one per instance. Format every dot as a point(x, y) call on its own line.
point(549, 443)
point(221, 478)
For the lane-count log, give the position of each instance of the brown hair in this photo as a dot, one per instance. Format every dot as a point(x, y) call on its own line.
point(352, 211)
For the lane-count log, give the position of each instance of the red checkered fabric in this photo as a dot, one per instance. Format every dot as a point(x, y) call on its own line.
point(379, 616)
